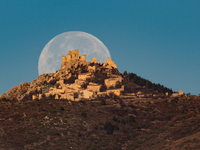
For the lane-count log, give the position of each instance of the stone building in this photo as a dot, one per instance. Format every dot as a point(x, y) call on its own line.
point(94, 87)
point(86, 94)
point(84, 76)
point(177, 94)
point(91, 68)
point(111, 63)
point(94, 60)
point(72, 58)
point(181, 92)
point(111, 82)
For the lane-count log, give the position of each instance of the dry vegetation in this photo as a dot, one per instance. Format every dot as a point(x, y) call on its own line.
point(104, 123)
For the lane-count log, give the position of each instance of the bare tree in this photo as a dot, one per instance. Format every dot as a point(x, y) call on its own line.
point(188, 94)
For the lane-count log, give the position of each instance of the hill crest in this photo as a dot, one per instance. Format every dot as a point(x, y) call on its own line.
point(76, 79)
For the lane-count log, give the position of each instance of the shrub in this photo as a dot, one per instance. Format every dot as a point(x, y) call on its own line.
point(118, 84)
point(131, 119)
point(84, 85)
point(84, 114)
point(6, 100)
point(109, 127)
point(62, 108)
point(75, 95)
point(122, 104)
point(103, 88)
point(111, 95)
point(123, 122)
point(191, 113)
point(103, 102)
point(111, 87)
point(70, 80)
point(79, 134)
point(83, 69)
point(82, 101)
point(114, 118)
point(116, 127)
point(175, 100)
point(52, 97)
point(176, 118)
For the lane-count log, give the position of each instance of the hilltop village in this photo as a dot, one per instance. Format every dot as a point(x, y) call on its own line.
point(78, 79)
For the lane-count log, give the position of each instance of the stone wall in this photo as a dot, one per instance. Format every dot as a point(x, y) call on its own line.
point(111, 82)
point(86, 94)
point(175, 95)
point(64, 62)
point(94, 87)
point(181, 92)
point(91, 68)
point(84, 76)
point(114, 91)
point(73, 55)
point(111, 63)
point(94, 60)
point(83, 58)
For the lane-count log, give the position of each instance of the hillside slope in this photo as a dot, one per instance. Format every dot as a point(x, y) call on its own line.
point(106, 123)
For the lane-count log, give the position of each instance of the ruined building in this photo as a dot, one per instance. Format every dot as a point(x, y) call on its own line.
point(72, 66)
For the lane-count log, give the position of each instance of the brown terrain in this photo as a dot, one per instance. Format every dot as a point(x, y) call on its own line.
point(92, 105)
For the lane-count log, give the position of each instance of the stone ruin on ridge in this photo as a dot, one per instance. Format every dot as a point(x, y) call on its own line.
point(77, 79)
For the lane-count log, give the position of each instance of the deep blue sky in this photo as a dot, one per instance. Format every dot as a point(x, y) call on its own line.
point(158, 40)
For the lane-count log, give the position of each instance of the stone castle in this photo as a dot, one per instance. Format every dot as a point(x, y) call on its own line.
point(73, 57)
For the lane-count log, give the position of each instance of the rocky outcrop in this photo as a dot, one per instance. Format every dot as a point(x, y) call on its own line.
point(16, 92)
point(26, 90)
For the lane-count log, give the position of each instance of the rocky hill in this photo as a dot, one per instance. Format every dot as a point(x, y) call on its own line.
point(91, 105)
point(78, 79)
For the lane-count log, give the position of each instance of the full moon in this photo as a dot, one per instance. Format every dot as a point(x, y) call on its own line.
point(51, 56)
